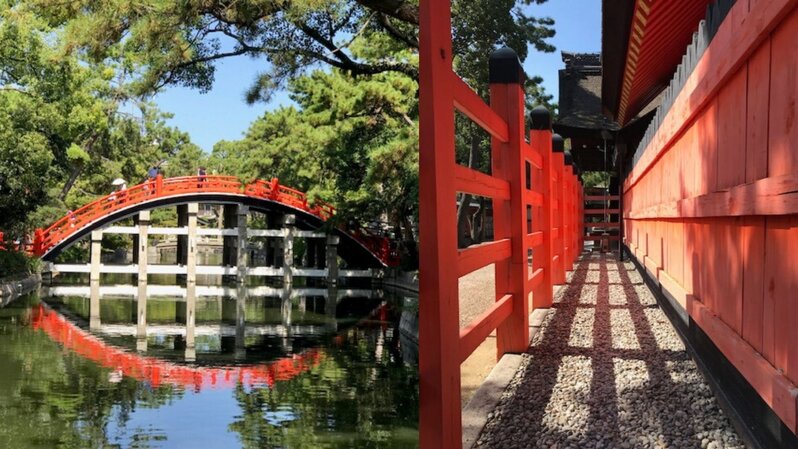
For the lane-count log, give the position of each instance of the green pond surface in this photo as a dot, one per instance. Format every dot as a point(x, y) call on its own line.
point(297, 374)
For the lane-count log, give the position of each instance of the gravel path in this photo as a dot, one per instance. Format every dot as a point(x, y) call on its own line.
point(607, 370)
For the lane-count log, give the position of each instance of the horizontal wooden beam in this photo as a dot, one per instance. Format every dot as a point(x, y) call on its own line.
point(534, 239)
point(535, 279)
point(532, 155)
point(601, 211)
point(475, 257)
point(602, 198)
point(533, 198)
point(481, 327)
point(599, 237)
point(777, 195)
point(602, 225)
point(477, 183)
point(470, 104)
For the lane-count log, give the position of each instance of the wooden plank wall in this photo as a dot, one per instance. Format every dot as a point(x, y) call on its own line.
point(711, 209)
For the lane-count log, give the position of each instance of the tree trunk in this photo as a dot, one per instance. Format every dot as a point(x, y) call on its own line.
point(73, 177)
point(408, 242)
point(464, 235)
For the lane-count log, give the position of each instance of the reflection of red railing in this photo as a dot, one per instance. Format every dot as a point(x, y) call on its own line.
point(75, 221)
point(156, 371)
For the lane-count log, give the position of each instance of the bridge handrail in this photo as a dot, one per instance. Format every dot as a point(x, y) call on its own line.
point(160, 187)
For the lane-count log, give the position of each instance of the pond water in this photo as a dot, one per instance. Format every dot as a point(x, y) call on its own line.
point(323, 370)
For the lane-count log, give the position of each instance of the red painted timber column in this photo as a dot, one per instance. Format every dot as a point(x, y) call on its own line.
point(577, 218)
point(507, 162)
point(570, 190)
point(540, 140)
point(558, 221)
point(439, 365)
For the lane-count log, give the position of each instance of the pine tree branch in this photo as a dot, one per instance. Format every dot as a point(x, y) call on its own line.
point(398, 9)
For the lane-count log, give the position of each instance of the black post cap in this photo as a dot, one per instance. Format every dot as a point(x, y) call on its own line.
point(569, 158)
point(576, 169)
point(557, 143)
point(541, 118)
point(505, 68)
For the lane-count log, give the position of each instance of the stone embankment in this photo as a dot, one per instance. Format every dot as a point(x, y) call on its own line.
point(11, 289)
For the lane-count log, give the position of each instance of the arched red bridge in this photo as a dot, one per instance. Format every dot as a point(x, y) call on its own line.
point(367, 250)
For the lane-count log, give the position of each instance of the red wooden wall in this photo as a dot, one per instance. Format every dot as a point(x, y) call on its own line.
point(711, 208)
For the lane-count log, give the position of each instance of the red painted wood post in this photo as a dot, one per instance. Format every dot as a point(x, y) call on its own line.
point(570, 195)
point(158, 184)
point(439, 365)
point(38, 241)
point(577, 219)
point(581, 215)
point(540, 140)
point(558, 221)
point(507, 99)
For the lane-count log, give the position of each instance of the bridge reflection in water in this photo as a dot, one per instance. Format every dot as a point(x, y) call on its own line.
point(283, 316)
point(325, 367)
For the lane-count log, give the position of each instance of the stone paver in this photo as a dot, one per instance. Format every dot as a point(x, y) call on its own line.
point(607, 371)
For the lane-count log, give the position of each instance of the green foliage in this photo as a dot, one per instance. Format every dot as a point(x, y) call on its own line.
point(77, 253)
point(351, 67)
point(13, 263)
point(349, 141)
point(68, 126)
point(596, 179)
point(55, 398)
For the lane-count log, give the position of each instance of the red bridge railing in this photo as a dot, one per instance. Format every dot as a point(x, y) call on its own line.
point(75, 221)
point(536, 206)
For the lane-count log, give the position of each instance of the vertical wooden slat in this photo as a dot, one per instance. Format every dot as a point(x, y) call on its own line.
point(728, 289)
point(783, 118)
point(753, 255)
point(439, 369)
point(507, 99)
point(781, 284)
point(558, 163)
point(732, 131)
point(540, 141)
point(756, 149)
point(708, 149)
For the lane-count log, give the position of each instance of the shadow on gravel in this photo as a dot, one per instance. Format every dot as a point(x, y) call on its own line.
point(626, 383)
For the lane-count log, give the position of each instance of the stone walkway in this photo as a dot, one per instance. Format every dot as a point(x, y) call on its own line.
point(607, 370)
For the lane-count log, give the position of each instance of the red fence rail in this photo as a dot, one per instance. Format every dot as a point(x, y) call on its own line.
point(159, 187)
point(528, 181)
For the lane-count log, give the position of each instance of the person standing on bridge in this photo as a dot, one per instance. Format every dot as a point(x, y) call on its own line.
point(201, 177)
point(152, 174)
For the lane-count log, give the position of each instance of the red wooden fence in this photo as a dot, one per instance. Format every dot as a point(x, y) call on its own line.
point(606, 224)
point(711, 209)
point(550, 195)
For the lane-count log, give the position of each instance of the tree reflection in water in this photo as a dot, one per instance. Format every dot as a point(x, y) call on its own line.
point(358, 393)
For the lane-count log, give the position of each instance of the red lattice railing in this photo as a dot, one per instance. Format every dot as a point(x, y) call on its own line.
point(536, 205)
point(75, 221)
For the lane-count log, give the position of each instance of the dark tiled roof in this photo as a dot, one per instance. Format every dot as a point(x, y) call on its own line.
point(580, 92)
